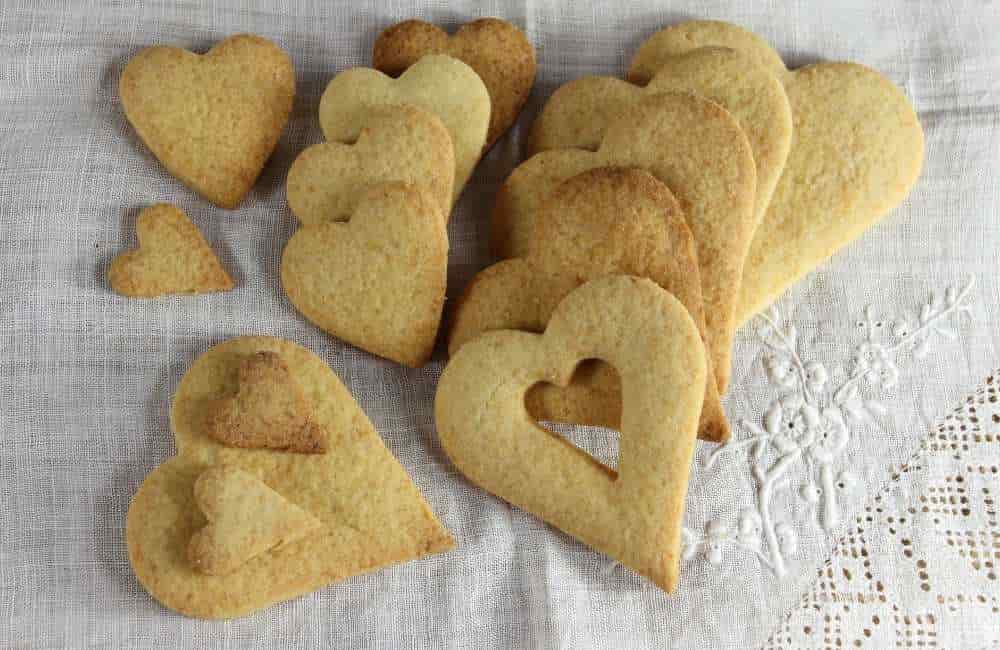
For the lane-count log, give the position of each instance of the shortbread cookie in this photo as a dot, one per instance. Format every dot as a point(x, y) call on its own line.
point(605, 221)
point(212, 120)
point(439, 84)
point(377, 281)
point(857, 151)
point(698, 150)
point(498, 51)
point(370, 513)
point(633, 515)
point(396, 143)
point(579, 112)
point(172, 257)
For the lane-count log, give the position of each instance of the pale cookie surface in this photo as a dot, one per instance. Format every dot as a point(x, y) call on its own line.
point(172, 257)
point(633, 515)
point(605, 221)
point(579, 112)
point(498, 51)
point(371, 513)
point(268, 410)
point(698, 150)
point(396, 143)
point(377, 281)
point(439, 84)
point(246, 518)
point(212, 120)
point(857, 151)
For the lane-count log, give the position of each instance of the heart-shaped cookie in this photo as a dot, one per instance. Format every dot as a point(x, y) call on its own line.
point(371, 513)
point(441, 85)
point(212, 120)
point(498, 51)
point(605, 221)
point(633, 515)
point(579, 112)
point(397, 143)
point(246, 518)
point(173, 257)
point(858, 149)
point(698, 150)
point(377, 281)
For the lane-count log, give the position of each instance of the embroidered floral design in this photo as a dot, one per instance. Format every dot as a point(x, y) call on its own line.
point(809, 426)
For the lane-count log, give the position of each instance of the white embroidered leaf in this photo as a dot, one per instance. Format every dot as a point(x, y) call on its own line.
point(772, 418)
point(758, 450)
point(946, 333)
point(925, 313)
point(875, 408)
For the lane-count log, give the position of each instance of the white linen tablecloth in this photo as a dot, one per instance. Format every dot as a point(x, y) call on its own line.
point(894, 540)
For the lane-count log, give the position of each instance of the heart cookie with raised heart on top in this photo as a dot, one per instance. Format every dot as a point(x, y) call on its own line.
point(858, 149)
point(634, 515)
point(213, 120)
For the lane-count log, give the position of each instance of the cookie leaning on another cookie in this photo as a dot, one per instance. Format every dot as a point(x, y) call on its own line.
point(857, 152)
point(605, 221)
point(173, 257)
point(213, 120)
point(498, 51)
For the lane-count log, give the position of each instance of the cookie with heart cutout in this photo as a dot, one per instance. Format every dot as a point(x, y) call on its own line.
point(377, 281)
point(698, 150)
point(857, 151)
point(604, 221)
point(172, 258)
point(263, 545)
point(212, 120)
point(438, 84)
point(633, 515)
point(498, 51)
point(396, 143)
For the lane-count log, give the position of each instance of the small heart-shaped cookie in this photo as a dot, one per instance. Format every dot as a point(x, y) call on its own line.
point(371, 513)
point(212, 120)
point(377, 281)
point(441, 85)
point(606, 221)
point(858, 149)
point(579, 112)
point(246, 518)
point(633, 515)
point(498, 51)
point(694, 147)
point(397, 143)
point(268, 410)
point(172, 257)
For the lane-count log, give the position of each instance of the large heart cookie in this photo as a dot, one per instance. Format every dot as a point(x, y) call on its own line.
point(606, 221)
point(698, 150)
point(397, 143)
point(439, 84)
point(857, 150)
point(633, 515)
point(173, 257)
point(499, 53)
point(212, 120)
point(377, 281)
point(371, 514)
point(579, 112)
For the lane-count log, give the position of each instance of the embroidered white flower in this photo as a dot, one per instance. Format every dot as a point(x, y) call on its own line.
point(873, 360)
point(750, 528)
point(830, 435)
point(780, 370)
point(716, 534)
point(816, 376)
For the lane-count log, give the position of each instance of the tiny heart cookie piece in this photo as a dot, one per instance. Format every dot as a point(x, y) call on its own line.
point(694, 147)
point(498, 51)
point(606, 221)
point(633, 515)
point(377, 281)
point(441, 85)
point(371, 513)
point(268, 410)
point(173, 257)
point(397, 143)
point(246, 518)
point(857, 151)
point(212, 120)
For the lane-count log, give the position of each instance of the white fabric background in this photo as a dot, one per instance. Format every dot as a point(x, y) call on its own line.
point(86, 377)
